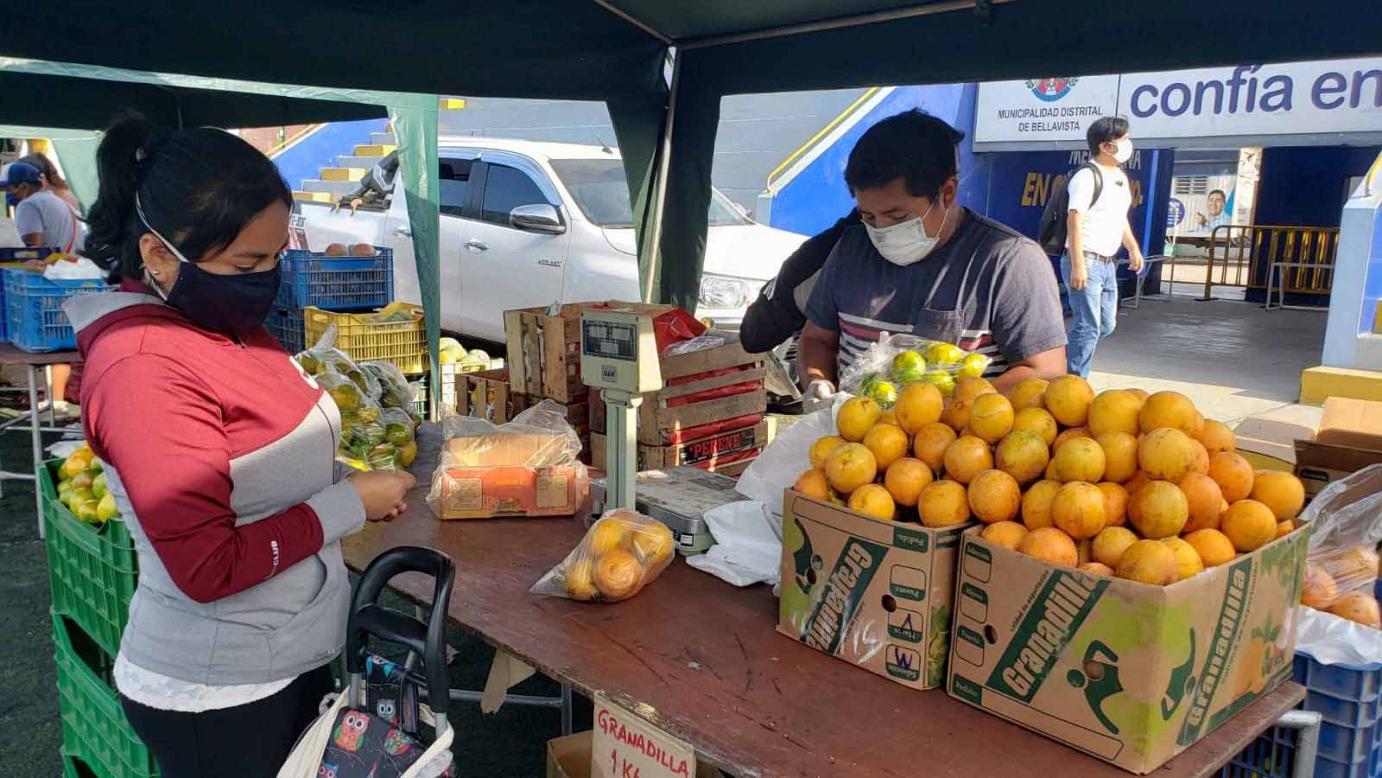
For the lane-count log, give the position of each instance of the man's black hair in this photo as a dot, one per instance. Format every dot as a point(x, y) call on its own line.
point(1218, 192)
point(913, 146)
point(1106, 129)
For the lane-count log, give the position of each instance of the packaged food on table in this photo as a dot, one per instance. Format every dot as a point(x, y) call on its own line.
point(527, 467)
point(622, 552)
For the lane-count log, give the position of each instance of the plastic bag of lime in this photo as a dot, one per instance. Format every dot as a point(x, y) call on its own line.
point(622, 552)
point(897, 360)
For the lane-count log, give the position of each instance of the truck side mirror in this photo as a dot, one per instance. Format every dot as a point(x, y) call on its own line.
point(541, 218)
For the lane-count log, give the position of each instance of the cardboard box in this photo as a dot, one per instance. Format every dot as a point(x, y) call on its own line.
point(510, 475)
point(569, 756)
point(1352, 423)
point(484, 395)
point(1283, 425)
point(1129, 673)
point(1319, 464)
point(724, 448)
point(874, 593)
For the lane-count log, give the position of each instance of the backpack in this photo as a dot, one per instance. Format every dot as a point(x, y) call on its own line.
point(1051, 230)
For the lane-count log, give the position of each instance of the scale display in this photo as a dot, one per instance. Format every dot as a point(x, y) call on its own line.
point(611, 340)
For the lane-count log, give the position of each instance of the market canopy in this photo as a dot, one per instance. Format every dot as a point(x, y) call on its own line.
point(616, 50)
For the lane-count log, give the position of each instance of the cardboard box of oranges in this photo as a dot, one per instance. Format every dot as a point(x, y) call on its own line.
point(1120, 484)
point(875, 593)
point(1128, 672)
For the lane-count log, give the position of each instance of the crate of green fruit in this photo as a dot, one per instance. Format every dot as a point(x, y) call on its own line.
point(91, 560)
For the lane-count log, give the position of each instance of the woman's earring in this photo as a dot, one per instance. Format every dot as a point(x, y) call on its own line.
point(153, 273)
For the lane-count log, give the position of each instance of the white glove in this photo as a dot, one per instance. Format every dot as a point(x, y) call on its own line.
point(818, 395)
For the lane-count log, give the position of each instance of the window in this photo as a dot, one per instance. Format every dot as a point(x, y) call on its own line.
point(453, 183)
point(602, 193)
point(1191, 185)
point(507, 188)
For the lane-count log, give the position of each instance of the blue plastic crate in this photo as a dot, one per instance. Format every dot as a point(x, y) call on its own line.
point(33, 310)
point(286, 325)
point(1338, 681)
point(1270, 756)
point(1346, 713)
point(1347, 745)
point(336, 283)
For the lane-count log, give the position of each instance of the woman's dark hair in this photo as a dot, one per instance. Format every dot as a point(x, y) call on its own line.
point(46, 168)
point(1105, 129)
point(913, 146)
point(198, 188)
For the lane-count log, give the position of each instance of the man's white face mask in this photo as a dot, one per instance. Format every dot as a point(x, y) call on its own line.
point(1122, 150)
point(906, 242)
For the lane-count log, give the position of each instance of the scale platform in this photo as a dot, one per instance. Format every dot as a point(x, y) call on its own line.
point(679, 498)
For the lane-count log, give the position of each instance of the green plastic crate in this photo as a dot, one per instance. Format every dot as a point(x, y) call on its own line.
point(91, 569)
point(94, 729)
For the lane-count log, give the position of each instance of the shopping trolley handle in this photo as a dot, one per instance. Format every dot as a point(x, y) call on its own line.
point(427, 639)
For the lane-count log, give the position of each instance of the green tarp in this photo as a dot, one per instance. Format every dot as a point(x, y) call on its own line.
point(616, 50)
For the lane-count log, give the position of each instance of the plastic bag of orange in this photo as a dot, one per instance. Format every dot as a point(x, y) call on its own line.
point(622, 552)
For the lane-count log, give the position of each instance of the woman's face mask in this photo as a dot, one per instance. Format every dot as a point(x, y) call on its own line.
point(232, 305)
point(905, 243)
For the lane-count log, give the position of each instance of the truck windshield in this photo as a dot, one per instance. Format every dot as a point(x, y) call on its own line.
point(602, 193)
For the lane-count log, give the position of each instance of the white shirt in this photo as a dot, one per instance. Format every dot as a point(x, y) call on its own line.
point(51, 217)
point(1104, 221)
point(158, 691)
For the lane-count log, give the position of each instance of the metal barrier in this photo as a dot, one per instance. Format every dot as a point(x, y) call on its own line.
point(1245, 253)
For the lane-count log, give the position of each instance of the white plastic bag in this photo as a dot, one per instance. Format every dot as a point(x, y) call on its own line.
point(1341, 574)
point(788, 456)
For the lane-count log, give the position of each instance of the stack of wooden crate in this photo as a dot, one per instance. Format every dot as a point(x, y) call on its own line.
point(711, 412)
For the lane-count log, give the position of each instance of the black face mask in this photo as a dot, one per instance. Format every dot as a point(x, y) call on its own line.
point(233, 305)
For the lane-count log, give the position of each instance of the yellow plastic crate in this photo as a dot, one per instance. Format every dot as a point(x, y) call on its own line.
point(404, 343)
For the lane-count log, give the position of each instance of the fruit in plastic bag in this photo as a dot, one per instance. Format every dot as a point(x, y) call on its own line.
point(622, 552)
point(908, 367)
point(883, 392)
point(394, 389)
point(1360, 607)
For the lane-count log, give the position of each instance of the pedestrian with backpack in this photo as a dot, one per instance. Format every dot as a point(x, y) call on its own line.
point(1096, 226)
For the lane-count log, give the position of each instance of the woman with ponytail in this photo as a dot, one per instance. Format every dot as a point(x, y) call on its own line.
point(219, 452)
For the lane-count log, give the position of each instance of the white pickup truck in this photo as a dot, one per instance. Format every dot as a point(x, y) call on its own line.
point(525, 224)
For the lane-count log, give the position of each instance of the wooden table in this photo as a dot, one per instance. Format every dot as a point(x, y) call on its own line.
point(701, 659)
point(9, 355)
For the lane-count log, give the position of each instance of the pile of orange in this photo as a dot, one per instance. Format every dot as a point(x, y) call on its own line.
point(1120, 483)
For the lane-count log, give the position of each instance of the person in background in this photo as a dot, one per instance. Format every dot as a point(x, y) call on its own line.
point(52, 179)
point(1096, 228)
point(921, 263)
point(44, 218)
point(220, 453)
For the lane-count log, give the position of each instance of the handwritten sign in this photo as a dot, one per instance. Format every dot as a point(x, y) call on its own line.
point(627, 746)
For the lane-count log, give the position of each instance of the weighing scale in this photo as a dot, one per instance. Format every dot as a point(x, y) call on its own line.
point(679, 497)
point(619, 356)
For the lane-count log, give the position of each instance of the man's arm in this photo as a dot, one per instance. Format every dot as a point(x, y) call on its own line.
point(1134, 250)
point(1074, 222)
point(1046, 364)
point(32, 239)
point(779, 311)
point(816, 354)
point(29, 222)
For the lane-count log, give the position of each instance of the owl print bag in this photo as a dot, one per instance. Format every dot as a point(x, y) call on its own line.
point(371, 729)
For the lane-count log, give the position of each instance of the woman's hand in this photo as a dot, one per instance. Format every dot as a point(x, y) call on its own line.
point(382, 492)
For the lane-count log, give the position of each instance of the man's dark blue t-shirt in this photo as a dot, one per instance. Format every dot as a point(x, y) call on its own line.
point(987, 289)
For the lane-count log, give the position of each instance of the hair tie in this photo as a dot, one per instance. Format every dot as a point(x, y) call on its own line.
point(140, 154)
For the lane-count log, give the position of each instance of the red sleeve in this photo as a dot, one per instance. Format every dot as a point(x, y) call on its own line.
point(160, 428)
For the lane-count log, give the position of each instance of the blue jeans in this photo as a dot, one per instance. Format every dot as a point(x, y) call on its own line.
point(1095, 310)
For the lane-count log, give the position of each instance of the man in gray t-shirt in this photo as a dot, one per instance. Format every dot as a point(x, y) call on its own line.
point(922, 264)
point(42, 218)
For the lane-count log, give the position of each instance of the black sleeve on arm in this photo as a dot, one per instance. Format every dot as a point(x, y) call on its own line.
point(779, 312)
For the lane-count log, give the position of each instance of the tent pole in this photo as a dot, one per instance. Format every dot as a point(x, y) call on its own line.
point(943, 6)
point(635, 21)
point(664, 154)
